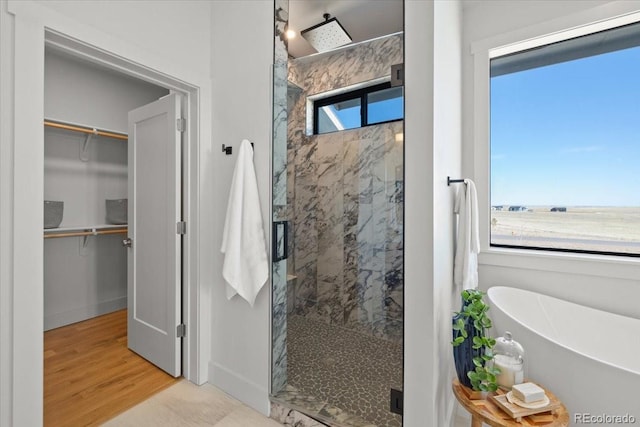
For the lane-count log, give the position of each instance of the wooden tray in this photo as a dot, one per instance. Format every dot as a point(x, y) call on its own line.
point(517, 412)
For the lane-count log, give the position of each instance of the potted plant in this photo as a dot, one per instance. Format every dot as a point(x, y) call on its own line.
point(472, 347)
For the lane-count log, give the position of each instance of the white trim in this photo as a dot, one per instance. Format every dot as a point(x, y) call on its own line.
point(583, 30)
point(56, 320)
point(607, 16)
point(240, 387)
point(616, 10)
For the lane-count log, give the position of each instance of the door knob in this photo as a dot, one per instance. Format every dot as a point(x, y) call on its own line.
point(127, 242)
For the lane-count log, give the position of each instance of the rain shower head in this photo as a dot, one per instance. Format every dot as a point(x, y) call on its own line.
point(326, 35)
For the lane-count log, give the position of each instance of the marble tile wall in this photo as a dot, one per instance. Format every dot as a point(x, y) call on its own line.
point(344, 193)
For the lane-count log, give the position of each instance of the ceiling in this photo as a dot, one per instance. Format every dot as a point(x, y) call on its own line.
point(363, 19)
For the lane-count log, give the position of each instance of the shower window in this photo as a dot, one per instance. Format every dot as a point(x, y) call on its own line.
point(363, 107)
point(564, 147)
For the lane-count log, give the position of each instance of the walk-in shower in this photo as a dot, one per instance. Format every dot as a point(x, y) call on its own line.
point(338, 289)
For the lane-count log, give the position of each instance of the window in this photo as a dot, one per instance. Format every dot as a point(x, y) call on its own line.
point(565, 145)
point(363, 107)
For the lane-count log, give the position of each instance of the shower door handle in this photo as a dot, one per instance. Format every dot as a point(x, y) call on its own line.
point(280, 240)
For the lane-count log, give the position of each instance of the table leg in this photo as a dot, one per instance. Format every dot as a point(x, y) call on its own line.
point(476, 421)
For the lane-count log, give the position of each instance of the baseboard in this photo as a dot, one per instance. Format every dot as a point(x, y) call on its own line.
point(240, 387)
point(83, 313)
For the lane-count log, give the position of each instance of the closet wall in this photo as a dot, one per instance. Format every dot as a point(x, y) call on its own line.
point(86, 277)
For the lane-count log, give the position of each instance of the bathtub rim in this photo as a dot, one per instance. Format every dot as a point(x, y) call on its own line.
point(545, 337)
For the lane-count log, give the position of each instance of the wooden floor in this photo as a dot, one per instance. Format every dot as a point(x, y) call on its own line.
point(90, 375)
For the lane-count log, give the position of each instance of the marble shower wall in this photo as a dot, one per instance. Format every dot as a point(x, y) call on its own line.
point(279, 269)
point(344, 194)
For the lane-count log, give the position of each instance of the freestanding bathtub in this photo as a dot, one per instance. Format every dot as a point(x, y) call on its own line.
point(589, 358)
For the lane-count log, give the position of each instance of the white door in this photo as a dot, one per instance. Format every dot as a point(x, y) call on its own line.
point(154, 258)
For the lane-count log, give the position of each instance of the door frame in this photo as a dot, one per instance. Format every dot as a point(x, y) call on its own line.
point(34, 27)
point(190, 94)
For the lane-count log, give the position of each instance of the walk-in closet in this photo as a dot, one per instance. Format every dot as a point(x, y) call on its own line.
point(86, 195)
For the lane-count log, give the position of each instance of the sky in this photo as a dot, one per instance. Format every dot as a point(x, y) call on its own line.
point(568, 134)
point(382, 111)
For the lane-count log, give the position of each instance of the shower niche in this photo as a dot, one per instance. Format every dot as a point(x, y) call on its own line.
point(337, 272)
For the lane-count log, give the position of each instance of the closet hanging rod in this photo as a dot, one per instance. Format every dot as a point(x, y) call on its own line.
point(67, 126)
point(87, 233)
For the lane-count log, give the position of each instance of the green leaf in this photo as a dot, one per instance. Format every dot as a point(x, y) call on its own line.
point(478, 362)
point(456, 342)
point(464, 333)
point(495, 370)
point(492, 387)
point(477, 340)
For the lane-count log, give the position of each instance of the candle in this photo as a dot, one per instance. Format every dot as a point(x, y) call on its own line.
point(510, 370)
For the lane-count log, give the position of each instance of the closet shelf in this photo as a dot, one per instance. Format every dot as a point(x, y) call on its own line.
point(91, 230)
point(92, 131)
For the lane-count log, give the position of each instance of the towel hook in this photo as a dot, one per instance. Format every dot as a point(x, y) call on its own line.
point(227, 149)
point(453, 181)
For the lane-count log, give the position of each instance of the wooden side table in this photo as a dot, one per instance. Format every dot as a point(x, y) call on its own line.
point(484, 409)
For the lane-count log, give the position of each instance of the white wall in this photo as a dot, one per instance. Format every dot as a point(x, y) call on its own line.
point(87, 94)
point(172, 37)
point(241, 62)
point(6, 214)
point(608, 283)
point(447, 139)
point(432, 152)
point(420, 354)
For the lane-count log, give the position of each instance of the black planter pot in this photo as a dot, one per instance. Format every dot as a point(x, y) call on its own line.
point(464, 353)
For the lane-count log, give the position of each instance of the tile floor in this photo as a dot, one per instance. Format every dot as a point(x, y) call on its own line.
point(339, 375)
point(188, 405)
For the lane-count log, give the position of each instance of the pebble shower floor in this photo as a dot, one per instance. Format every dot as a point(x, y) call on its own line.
point(342, 369)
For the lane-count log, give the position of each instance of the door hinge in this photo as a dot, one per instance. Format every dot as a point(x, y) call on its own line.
point(396, 401)
point(180, 125)
point(181, 227)
point(181, 330)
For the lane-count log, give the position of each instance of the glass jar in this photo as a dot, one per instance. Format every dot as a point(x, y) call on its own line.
point(508, 356)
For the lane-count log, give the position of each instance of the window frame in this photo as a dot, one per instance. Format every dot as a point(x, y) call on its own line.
point(476, 160)
point(525, 52)
point(362, 94)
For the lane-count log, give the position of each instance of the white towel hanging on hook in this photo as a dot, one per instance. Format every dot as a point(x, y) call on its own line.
point(246, 266)
point(465, 271)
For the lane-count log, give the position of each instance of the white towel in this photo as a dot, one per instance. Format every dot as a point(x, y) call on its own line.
point(465, 271)
point(245, 267)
